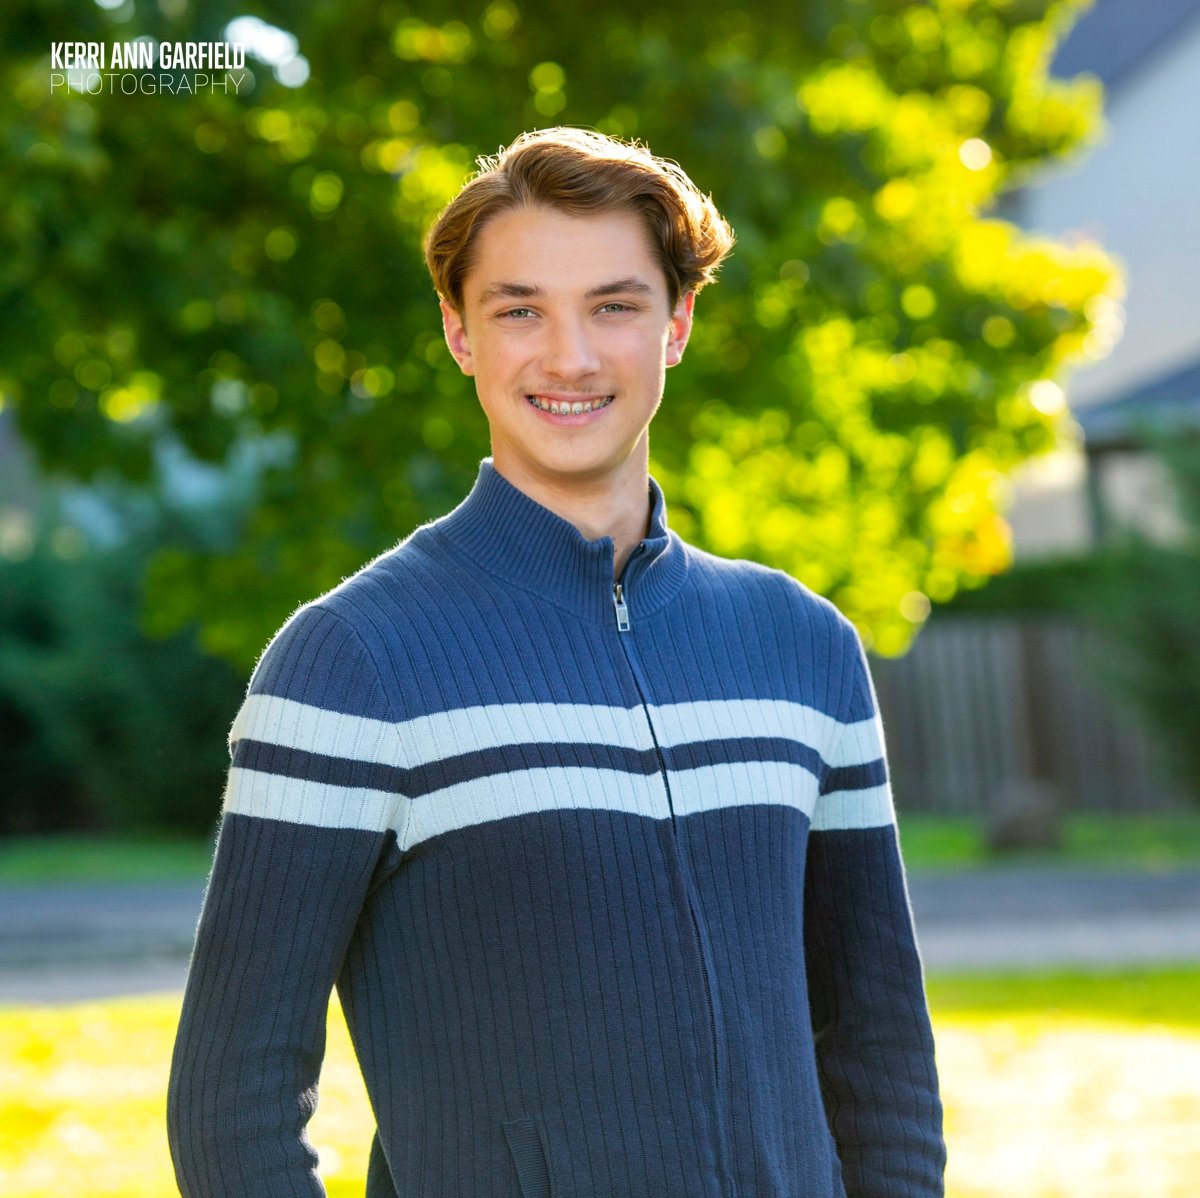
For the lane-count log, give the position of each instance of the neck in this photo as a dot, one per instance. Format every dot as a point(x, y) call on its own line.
point(614, 504)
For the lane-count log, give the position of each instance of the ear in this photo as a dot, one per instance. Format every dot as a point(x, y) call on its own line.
point(456, 338)
point(680, 328)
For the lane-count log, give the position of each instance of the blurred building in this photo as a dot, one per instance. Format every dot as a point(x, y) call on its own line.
point(1135, 193)
point(1005, 717)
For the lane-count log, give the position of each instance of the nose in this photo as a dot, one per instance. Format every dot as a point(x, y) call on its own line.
point(569, 352)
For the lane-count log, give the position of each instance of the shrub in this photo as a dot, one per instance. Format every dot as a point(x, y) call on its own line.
point(1149, 602)
point(102, 727)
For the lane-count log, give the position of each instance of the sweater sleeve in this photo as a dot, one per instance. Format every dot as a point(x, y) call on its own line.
point(308, 804)
point(871, 1023)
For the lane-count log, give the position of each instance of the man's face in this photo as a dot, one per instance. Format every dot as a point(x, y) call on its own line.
point(562, 313)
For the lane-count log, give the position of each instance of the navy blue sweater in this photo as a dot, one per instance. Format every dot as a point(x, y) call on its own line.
point(607, 879)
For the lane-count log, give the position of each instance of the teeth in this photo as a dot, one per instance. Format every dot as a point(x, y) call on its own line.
point(569, 408)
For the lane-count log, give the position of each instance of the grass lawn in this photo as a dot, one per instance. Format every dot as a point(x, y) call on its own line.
point(1152, 842)
point(1056, 1086)
point(930, 843)
point(75, 857)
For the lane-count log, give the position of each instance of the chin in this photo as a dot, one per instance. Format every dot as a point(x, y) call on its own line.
point(583, 465)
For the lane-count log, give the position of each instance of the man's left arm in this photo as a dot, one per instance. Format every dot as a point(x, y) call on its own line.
point(871, 1024)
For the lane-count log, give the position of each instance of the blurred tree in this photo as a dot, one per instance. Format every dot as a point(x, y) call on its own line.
point(101, 727)
point(224, 267)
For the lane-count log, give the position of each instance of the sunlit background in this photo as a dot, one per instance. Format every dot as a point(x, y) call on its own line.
point(950, 378)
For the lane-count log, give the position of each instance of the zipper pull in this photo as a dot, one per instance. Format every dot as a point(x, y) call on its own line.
point(622, 608)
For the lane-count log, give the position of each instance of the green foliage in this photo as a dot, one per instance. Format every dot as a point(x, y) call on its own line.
point(1149, 607)
point(1050, 585)
point(101, 726)
point(233, 267)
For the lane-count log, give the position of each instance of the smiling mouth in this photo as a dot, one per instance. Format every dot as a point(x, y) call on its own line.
point(570, 407)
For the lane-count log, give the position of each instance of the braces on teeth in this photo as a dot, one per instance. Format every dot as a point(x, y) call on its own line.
point(572, 409)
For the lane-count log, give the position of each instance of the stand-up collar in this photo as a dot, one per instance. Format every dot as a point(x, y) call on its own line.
point(521, 542)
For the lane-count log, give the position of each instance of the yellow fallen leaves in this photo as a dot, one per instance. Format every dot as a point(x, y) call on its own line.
point(1042, 1105)
point(1056, 1107)
point(82, 1094)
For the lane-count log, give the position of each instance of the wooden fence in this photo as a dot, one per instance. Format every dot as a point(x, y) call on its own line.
point(982, 704)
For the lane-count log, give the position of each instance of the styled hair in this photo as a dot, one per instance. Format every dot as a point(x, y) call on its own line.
point(580, 172)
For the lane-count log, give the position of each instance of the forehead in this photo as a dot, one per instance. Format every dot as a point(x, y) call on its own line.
point(560, 253)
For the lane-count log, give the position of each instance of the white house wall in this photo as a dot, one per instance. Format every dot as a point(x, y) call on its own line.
point(1138, 193)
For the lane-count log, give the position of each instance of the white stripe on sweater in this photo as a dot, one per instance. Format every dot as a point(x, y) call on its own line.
point(431, 738)
point(523, 792)
point(841, 809)
point(318, 804)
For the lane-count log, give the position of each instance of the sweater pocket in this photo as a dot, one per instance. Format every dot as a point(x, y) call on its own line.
point(526, 1142)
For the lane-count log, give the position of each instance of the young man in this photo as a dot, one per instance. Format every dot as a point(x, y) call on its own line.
point(591, 829)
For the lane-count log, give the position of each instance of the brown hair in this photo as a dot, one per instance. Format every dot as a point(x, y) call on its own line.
point(580, 172)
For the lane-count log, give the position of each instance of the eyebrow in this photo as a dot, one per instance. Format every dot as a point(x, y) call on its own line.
point(629, 286)
point(508, 291)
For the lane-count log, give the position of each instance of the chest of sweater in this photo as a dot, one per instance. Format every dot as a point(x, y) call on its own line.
point(509, 706)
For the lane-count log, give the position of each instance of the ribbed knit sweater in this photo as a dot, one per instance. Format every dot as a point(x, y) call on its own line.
point(606, 876)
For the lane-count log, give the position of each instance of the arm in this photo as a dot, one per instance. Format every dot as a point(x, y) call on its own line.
point(870, 1020)
point(306, 812)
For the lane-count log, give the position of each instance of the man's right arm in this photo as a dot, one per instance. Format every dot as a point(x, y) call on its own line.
point(307, 810)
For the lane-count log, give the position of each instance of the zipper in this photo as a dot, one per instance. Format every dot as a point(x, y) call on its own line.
point(621, 610)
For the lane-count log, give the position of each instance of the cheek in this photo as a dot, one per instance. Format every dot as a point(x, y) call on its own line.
point(490, 363)
point(645, 350)
point(505, 354)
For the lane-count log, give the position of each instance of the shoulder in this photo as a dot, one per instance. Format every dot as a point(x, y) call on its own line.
point(769, 591)
point(810, 636)
point(371, 601)
point(319, 659)
point(329, 650)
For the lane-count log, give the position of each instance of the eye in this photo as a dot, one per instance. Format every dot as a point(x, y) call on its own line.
point(516, 313)
point(617, 306)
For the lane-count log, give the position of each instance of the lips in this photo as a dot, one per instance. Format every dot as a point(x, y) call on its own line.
point(569, 406)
